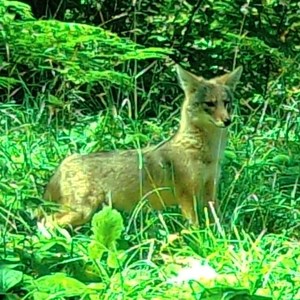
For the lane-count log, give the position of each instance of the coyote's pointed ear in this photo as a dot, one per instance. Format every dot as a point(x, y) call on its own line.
point(188, 81)
point(231, 79)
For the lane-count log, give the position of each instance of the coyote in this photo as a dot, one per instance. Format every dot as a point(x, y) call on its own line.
point(182, 171)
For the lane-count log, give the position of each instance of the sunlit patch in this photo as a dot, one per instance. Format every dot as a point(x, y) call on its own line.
point(194, 270)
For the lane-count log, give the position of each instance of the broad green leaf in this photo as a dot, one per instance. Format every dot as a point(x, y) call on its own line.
point(281, 159)
point(115, 259)
point(41, 296)
point(60, 282)
point(9, 278)
point(96, 250)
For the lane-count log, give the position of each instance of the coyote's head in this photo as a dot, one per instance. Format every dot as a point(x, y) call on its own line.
point(208, 101)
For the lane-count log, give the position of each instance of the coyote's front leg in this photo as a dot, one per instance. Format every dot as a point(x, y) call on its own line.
point(210, 194)
point(189, 209)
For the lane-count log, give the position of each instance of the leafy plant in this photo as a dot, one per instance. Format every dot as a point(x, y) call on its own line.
point(107, 226)
point(68, 54)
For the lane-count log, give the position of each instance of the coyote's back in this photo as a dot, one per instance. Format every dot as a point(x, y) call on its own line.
point(182, 171)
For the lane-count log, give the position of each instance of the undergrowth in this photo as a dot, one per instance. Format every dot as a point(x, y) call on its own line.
point(155, 255)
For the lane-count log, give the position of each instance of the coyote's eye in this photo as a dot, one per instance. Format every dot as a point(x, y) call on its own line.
point(209, 104)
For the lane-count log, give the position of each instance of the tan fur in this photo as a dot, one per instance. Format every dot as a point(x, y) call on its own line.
point(181, 171)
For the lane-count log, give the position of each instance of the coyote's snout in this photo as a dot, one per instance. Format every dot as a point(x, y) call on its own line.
point(182, 171)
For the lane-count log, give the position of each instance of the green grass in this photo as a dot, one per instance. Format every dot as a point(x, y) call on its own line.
point(253, 251)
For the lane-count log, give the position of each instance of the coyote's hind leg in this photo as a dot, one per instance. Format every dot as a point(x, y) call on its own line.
point(79, 213)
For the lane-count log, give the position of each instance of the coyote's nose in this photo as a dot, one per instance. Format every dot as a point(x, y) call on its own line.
point(227, 122)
